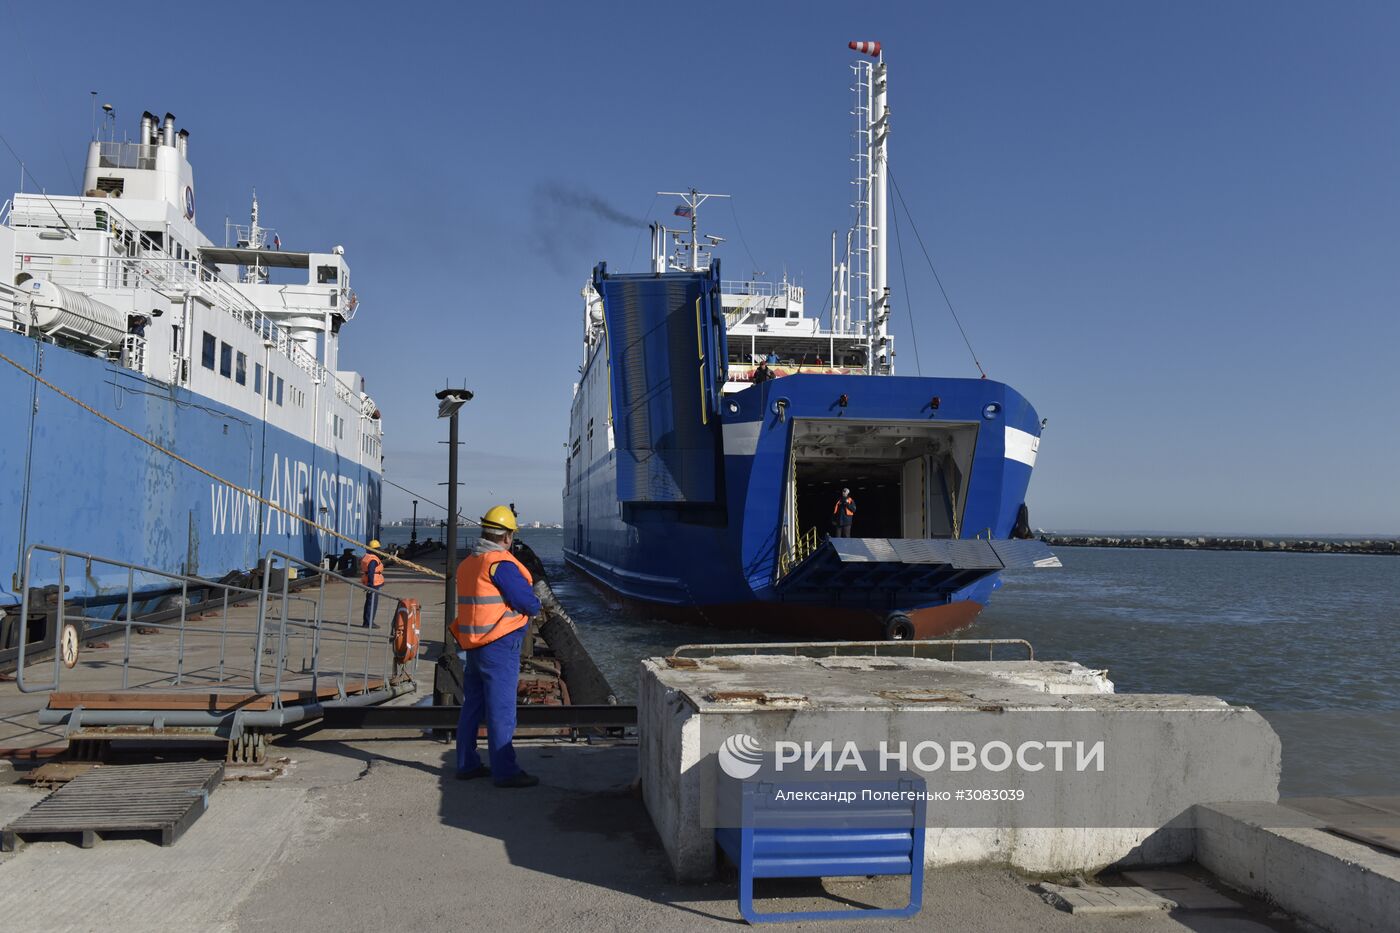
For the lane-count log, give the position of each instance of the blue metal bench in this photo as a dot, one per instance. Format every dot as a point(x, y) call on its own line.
point(825, 839)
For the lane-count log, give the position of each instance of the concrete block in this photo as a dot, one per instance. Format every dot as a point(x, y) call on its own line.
point(1160, 754)
point(1284, 856)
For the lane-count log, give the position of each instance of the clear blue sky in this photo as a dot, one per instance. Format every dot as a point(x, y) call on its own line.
point(1174, 227)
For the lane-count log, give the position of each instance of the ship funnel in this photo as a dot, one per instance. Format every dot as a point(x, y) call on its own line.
point(167, 133)
point(182, 142)
point(865, 48)
point(148, 127)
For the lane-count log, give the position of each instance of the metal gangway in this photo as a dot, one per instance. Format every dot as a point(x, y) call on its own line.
point(231, 660)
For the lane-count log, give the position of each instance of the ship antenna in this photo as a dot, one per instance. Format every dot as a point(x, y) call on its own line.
point(254, 231)
point(693, 199)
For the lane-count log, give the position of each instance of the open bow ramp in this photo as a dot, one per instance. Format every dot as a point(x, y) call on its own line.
point(874, 571)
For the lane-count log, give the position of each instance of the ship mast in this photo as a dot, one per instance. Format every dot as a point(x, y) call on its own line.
point(693, 199)
point(862, 281)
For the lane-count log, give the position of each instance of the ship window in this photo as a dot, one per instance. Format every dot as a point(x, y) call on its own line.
point(209, 346)
point(257, 378)
point(240, 372)
point(326, 275)
point(279, 389)
point(225, 359)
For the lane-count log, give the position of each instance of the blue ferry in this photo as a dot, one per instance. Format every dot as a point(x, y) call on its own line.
point(715, 425)
point(226, 356)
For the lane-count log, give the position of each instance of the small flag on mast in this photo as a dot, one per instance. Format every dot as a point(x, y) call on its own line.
point(276, 241)
point(683, 211)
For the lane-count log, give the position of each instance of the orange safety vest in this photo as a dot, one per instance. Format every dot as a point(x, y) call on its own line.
point(378, 578)
point(842, 510)
point(482, 613)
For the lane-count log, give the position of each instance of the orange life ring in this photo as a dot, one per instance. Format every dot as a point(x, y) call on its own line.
point(407, 626)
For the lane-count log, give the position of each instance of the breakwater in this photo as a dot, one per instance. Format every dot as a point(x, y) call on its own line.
point(1211, 543)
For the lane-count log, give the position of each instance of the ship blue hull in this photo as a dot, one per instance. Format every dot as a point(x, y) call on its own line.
point(722, 566)
point(718, 507)
point(76, 482)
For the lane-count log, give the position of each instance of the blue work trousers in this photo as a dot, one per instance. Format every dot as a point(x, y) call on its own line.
point(371, 604)
point(490, 675)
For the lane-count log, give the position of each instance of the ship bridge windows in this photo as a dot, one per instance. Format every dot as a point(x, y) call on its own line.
point(908, 479)
point(225, 360)
point(210, 350)
point(327, 275)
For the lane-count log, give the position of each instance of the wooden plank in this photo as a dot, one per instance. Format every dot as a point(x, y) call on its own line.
point(212, 702)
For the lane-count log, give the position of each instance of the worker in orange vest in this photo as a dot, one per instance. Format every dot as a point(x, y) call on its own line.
point(495, 601)
point(372, 576)
point(844, 515)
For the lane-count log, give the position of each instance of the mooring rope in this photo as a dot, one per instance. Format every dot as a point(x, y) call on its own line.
point(219, 479)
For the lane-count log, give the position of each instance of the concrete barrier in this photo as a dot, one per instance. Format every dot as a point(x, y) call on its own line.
point(1286, 857)
point(1158, 755)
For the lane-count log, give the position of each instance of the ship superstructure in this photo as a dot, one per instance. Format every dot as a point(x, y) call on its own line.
point(716, 423)
point(225, 355)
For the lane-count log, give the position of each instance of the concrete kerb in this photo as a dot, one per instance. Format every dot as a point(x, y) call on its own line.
point(1286, 857)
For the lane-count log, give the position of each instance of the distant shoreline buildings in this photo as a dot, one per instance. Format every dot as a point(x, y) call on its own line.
point(1214, 543)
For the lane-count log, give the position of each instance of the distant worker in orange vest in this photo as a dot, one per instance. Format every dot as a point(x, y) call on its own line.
point(495, 601)
point(372, 576)
point(844, 515)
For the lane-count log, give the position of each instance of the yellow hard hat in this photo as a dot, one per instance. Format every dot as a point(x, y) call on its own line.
point(374, 544)
point(500, 516)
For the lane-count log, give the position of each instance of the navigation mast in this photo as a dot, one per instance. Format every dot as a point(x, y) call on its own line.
point(693, 199)
point(861, 283)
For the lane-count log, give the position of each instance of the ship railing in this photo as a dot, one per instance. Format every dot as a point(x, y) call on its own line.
point(762, 289)
point(126, 155)
point(802, 547)
point(731, 287)
point(292, 635)
point(141, 262)
point(938, 649)
point(10, 302)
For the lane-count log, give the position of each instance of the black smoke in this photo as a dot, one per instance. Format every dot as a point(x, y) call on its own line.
point(566, 223)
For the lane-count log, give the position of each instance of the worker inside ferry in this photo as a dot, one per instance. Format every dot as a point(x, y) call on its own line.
point(762, 373)
point(495, 601)
point(843, 516)
point(372, 576)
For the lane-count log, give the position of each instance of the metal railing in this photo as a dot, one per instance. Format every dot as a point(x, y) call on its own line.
point(294, 650)
point(127, 155)
point(318, 633)
point(927, 648)
point(761, 289)
point(806, 544)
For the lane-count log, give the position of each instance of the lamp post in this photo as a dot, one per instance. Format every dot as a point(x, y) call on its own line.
point(413, 534)
point(450, 402)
